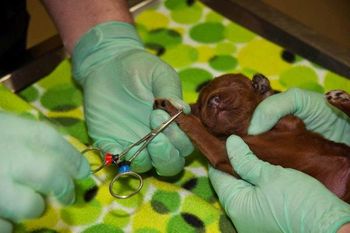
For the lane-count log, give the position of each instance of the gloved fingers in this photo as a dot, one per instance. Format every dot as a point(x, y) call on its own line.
point(110, 146)
point(142, 163)
point(180, 104)
point(65, 195)
point(161, 154)
point(66, 154)
point(319, 116)
point(18, 202)
point(5, 226)
point(73, 161)
point(270, 110)
point(175, 135)
point(232, 192)
point(311, 107)
point(245, 163)
point(47, 177)
point(46, 138)
point(166, 84)
point(165, 157)
point(226, 183)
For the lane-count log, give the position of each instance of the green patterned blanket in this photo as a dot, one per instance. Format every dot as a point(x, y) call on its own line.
point(199, 44)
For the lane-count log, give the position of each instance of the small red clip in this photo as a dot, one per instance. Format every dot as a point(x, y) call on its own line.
point(108, 158)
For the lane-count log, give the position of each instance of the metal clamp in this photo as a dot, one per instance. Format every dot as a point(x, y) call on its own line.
point(124, 171)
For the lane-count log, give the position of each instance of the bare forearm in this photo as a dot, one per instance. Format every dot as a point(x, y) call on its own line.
point(75, 17)
point(344, 229)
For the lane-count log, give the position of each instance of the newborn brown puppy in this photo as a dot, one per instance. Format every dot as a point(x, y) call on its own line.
point(225, 106)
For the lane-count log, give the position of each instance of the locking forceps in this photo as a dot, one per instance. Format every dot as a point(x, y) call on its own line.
point(123, 164)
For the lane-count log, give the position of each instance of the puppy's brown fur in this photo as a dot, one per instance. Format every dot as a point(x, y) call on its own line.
point(225, 106)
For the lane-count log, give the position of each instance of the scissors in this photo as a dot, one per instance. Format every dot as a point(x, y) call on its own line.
point(123, 165)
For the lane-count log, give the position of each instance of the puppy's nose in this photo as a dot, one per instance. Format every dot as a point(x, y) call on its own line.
point(214, 102)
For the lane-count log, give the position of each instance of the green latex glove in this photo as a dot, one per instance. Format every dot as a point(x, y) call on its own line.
point(317, 114)
point(120, 81)
point(34, 160)
point(272, 199)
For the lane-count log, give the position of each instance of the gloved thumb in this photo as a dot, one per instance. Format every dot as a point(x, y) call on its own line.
point(5, 226)
point(269, 111)
point(245, 163)
point(166, 84)
point(226, 186)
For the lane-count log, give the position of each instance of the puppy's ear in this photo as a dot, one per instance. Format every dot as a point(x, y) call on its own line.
point(262, 85)
point(194, 109)
point(200, 87)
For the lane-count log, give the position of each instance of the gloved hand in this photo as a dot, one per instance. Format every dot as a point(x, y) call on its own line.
point(34, 159)
point(120, 81)
point(318, 115)
point(272, 199)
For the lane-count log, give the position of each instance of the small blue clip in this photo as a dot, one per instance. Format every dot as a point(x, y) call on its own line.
point(124, 168)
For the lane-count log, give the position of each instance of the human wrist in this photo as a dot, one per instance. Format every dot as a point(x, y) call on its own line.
point(344, 229)
point(336, 220)
point(74, 18)
point(101, 43)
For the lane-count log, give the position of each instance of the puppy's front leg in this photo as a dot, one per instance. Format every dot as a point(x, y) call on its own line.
point(211, 147)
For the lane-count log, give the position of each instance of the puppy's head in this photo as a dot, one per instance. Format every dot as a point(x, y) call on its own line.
point(226, 104)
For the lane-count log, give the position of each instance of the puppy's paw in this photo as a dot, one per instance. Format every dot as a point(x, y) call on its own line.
point(339, 99)
point(165, 105)
point(262, 85)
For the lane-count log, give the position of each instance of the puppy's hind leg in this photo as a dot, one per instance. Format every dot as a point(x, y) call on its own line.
point(262, 85)
point(339, 99)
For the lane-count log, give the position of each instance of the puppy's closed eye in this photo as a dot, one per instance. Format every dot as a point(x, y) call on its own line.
point(214, 101)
